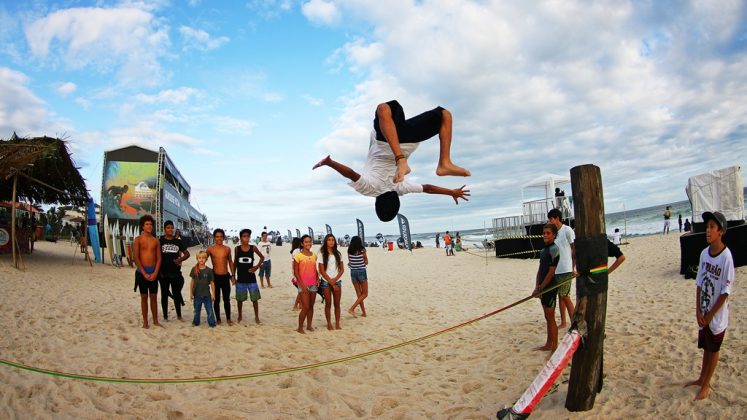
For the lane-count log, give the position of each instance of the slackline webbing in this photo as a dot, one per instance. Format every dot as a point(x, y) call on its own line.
point(276, 371)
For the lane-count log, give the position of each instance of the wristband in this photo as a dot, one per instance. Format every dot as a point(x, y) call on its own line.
point(398, 157)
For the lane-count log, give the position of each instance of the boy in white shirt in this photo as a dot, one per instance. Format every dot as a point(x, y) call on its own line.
point(266, 269)
point(715, 280)
point(392, 141)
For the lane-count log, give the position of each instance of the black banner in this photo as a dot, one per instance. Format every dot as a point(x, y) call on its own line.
point(404, 231)
point(361, 232)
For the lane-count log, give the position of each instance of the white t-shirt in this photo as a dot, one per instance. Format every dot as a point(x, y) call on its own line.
point(265, 248)
point(715, 278)
point(565, 238)
point(331, 264)
point(378, 172)
point(616, 238)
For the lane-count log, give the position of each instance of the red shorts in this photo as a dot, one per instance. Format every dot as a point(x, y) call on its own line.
point(709, 341)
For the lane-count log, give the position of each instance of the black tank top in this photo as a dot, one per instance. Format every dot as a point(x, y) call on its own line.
point(245, 261)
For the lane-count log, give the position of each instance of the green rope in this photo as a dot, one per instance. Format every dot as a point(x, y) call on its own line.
point(271, 372)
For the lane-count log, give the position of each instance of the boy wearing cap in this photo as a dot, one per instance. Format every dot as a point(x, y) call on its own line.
point(392, 141)
point(715, 280)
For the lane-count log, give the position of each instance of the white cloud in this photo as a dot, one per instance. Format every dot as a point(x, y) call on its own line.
point(269, 9)
point(200, 40)
point(321, 12)
point(178, 96)
point(83, 102)
point(66, 88)
point(129, 41)
point(24, 112)
point(313, 101)
point(234, 126)
point(542, 87)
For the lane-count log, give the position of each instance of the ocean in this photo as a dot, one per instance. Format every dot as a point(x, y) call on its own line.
point(635, 222)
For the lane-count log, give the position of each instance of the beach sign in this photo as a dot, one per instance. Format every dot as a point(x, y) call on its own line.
point(361, 232)
point(329, 229)
point(404, 231)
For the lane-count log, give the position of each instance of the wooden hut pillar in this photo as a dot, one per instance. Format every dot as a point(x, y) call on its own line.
point(13, 239)
point(591, 287)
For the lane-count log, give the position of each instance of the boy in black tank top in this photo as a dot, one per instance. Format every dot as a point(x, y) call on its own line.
point(246, 280)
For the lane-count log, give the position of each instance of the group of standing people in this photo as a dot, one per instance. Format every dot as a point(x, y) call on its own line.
point(321, 273)
point(450, 244)
point(159, 261)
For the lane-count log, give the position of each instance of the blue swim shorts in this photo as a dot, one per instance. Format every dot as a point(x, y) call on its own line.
point(358, 275)
point(326, 285)
point(250, 290)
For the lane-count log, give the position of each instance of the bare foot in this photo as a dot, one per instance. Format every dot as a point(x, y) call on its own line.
point(351, 311)
point(238, 321)
point(321, 162)
point(309, 328)
point(330, 327)
point(300, 331)
point(263, 286)
point(402, 169)
point(562, 325)
point(702, 394)
point(219, 322)
point(363, 315)
point(179, 318)
point(698, 382)
point(269, 285)
point(145, 326)
point(337, 327)
point(156, 324)
point(230, 322)
point(257, 321)
point(448, 168)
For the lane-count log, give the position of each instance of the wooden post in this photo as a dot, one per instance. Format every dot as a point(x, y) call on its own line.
point(591, 287)
point(13, 220)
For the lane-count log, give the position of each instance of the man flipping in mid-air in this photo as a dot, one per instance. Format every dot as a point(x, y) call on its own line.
point(393, 139)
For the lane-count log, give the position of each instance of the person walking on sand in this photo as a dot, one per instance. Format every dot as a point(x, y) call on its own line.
point(266, 269)
point(246, 280)
point(667, 216)
point(357, 262)
point(715, 281)
point(173, 253)
point(305, 270)
point(202, 290)
point(393, 139)
point(220, 257)
point(679, 221)
point(565, 270)
point(548, 261)
point(447, 244)
point(147, 255)
point(330, 267)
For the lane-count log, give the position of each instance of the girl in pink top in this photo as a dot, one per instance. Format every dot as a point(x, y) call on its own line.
point(304, 268)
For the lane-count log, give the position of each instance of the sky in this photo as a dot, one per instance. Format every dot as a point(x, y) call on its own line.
point(245, 96)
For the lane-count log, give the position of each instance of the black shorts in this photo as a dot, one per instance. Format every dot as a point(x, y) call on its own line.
point(709, 341)
point(414, 130)
point(145, 285)
point(550, 298)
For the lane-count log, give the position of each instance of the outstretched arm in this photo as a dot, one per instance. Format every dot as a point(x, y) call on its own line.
point(456, 193)
point(339, 167)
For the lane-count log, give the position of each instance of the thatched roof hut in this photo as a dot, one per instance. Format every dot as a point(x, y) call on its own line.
point(48, 173)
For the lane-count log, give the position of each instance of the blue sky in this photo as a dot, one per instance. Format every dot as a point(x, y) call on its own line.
point(246, 96)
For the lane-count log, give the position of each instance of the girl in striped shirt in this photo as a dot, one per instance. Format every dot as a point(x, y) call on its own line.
point(357, 262)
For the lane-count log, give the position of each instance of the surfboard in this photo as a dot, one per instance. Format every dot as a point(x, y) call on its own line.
point(108, 240)
point(118, 243)
point(93, 232)
point(129, 242)
point(544, 380)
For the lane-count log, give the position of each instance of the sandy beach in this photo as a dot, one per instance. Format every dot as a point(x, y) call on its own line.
point(64, 316)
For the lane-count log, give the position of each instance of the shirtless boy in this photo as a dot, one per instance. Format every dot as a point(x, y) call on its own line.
point(220, 257)
point(148, 260)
